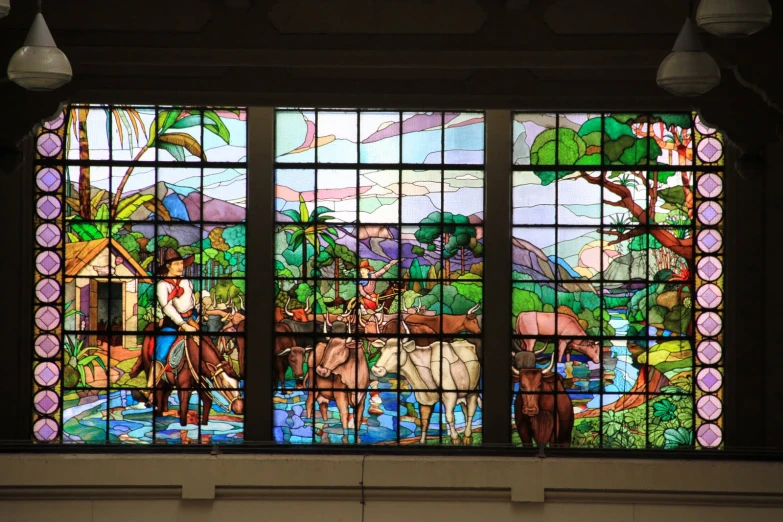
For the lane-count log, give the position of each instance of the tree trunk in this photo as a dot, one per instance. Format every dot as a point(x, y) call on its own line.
point(84, 170)
point(462, 255)
point(336, 277)
point(446, 261)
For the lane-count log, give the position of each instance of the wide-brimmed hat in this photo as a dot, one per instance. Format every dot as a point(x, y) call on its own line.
point(366, 264)
point(171, 255)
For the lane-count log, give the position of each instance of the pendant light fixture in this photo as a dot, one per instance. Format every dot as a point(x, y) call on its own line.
point(39, 65)
point(688, 70)
point(733, 18)
point(5, 7)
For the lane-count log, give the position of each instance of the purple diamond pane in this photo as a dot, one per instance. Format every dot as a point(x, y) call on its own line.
point(703, 129)
point(710, 268)
point(48, 207)
point(710, 241)
point(47, 346)
point(49, 144)
point(710, 185)
point(709, 407)
point(710, 150)
point(709, 435)
point(709, 324)
point(47, 318)
point(710, 212)
point(709, 380)
point(46, 402)
point(47, 373)
point(47, 262)
point(48, 179)
point(709, 352)
point(47, 290)
point(48, 235)
point(55, 123)
point(709, 296)
point(45, 429)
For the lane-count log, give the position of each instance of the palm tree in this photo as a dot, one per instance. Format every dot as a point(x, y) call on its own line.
point(309, 228)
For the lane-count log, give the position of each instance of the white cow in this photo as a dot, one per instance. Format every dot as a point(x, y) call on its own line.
point(453, 369)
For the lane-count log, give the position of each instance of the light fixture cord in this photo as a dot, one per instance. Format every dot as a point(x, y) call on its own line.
point(692, 10)
point(39, 6)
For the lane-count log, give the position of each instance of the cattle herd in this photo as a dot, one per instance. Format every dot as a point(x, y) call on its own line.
point(334, 358)
point(329, 357)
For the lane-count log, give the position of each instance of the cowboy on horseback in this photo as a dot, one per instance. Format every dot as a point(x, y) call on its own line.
point(178, 304)
point(368, 281)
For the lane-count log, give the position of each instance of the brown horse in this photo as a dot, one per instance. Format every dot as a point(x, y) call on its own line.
point(198, 364)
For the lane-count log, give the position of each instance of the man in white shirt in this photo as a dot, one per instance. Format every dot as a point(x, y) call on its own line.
point(178, 304)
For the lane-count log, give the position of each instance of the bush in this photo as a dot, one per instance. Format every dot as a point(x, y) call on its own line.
point(525, 301)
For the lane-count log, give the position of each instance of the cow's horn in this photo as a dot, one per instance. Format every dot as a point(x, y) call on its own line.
point(288, 313)
point(551, 366)
point(418, 308)
point(361, 321)
point(326, 319)
point(325, 331)
point(407, 330)
point(514, 370)
point(542, 350)
point(307, 305)
point(284, 352)
point(473, 310)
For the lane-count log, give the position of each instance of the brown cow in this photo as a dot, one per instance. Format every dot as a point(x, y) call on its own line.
point(287, 353)
point(297, 314)
point(392, 326)
point(543, 324)
point(450, 324)
point(543, 410)
point(341, 375)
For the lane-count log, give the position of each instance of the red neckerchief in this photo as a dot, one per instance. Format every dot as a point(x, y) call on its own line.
point(177, 291)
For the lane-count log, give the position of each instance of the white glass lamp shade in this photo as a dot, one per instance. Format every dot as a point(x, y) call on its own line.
point(5, 7)
point(688, 70)
point(733, 18)
point(39, 65)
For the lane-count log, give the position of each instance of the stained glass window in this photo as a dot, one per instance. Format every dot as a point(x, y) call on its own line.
point(140, 275)
point(617, 280)
point(378, 286)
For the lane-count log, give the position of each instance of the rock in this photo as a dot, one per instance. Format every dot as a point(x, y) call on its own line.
point(303, 431)
point(280, 417)
point(657, 314)
point(677, 320)
point(297, 410)
point(296, 422)
point(667, 300)
point(632, 265)
point(562, 309)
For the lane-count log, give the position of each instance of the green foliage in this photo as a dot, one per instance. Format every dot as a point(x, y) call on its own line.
point(409, 299)
point(78, 357)
point(643, 242)
point(664, 410)
point(681, 437)
point(472, 291)
point(672, 120)
point(303, 291)
point(525, 301)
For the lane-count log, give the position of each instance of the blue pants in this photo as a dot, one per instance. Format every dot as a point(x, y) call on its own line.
point(163, 343)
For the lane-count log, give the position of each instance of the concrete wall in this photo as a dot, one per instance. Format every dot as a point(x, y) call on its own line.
point(100, 488)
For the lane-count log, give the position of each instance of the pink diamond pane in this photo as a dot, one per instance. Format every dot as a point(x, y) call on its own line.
point(47, 318)
point(47, 262)
point(710, 185)
point(709, 324)
point(47, 235)
point(47, 290)
point(709, 268)
point(709, 296)
point(709, 407)
point(710, 150)
point(709, 241)
point(49, 144)
point(709, 380)
point(48, 179)
point(46, 402)
point(47, 346)
point(48, 207)
point(709, 435)
point(47, 373)
point(709, 352)
point(710, 213)
point(55, 123)
point(45, 430)
point(703, 129)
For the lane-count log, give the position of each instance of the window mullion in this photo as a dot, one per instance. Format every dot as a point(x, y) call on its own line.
point(497, 266)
